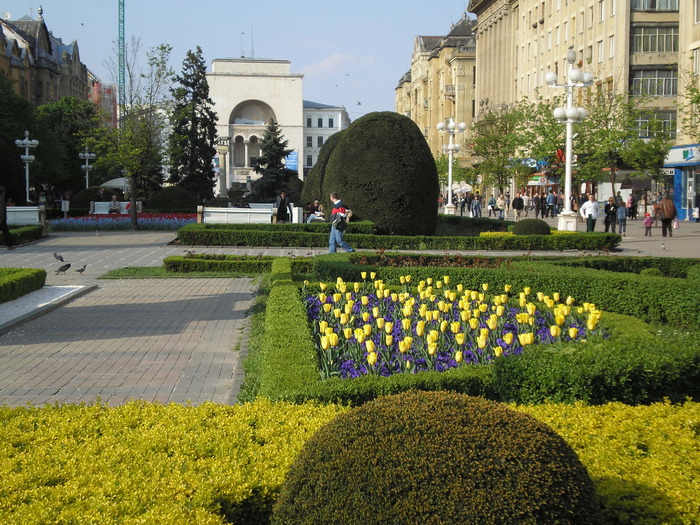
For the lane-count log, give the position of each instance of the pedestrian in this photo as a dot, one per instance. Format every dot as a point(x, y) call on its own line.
point(6, 235)
point(667, 213)
point(551, 204)
point(696, 212)
point(476, 205)
point(621, 215)
point(526, 203)
point(492, 206)
point(283, 207)
point(619, 201)
point(648, 223)
point(501, 206)
point(462, 204)
point(590, 211)
point(339, 216)
point(507, 206)
point(518, 206)
point(610, 216)
point(536, 205)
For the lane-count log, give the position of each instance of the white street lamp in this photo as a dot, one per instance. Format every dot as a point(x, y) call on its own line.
point(569, 115)
point(26, 158)
point(87, 157)
point(450, 148)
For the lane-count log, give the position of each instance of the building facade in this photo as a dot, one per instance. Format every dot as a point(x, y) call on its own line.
point(248, 93)
point(320, 122)
point(42, 68)
point(440, 85)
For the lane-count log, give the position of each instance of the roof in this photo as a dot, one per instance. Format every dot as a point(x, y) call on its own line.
point(317, 105)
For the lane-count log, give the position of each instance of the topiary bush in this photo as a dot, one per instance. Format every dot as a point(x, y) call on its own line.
point(172, 198)
point(313, 182)
point(83, 198)
point(383, 170)
point(531, 227)
point(436, 457)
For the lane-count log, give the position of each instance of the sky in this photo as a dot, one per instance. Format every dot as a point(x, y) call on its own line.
point(351, 54)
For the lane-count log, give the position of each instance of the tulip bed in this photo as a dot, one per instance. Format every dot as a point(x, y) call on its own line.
point(122, 222)
point(370, 330)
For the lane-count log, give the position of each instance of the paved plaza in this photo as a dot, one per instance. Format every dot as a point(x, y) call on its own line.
point(166, 340)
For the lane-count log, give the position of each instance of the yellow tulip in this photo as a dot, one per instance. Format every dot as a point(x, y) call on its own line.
point(443, 325)
point(408, 341)
point(360, 336)
point(454, 326)
point(356, 287)
point(446, 279)
point(569, 300)
point(406, 324)
point(531, 308)
point(591, 324)
point(389, 339)
point(429, 281)
point(555, 296)
point(460, 288)
point(438, 284)
point(372, 275)
point(420, 328)
point(554, 330)
point(540, 296)
point(526, 290)
point(559, 320)
point(473, 323)
point(481, 341)
point(474, 295)
point(369, 345)
point(337, 297)
point(372, 358)
point(344, 318)
point(498, 351)
point(322, 326)
point(476, 313)
point(522, 302)
point(458, 356)
point(507, 288)
point(459, 338)
point(388, 327)
point(322, 286)
point(364, 275)
point(483, 307)
point(436, 315)
point(485, 287)
point(402, 347)
point(500, 310)
point(380, 322)
point(508, 338)
point(348, 308)
point(526, 339)
point(465, 315)
point(573, 332)
point(408, 278)
point(522, 317)
point(333, 339)
point(432, 348)
point(324, 342)
point(481, 297)
point(407, 310)
point(432, 336)
point(365, 316)
point(492, 322)
point(328, 331)
point(347, 332)
point(336, 312)
point(327, 307)
point(322, 297)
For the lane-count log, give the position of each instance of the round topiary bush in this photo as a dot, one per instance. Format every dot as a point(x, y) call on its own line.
point(172, 198)
point(313, 182)
point(382, 169)
point(83, 198)
point(531, 227)
point(436, 457)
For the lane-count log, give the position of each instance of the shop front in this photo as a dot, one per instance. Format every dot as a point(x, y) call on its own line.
point(682, 177)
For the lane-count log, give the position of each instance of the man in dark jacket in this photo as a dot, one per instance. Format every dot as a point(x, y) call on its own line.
point(7, 237)
point(518, 204)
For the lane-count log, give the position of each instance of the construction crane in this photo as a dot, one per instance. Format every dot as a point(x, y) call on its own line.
point(122, 62)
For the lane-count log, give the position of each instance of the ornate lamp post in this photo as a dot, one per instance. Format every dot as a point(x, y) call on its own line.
point(26, 158)
point(87, 157)
point(569, 115)
point(450, 148)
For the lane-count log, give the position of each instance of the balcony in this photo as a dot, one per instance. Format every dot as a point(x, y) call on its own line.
point(450, 91)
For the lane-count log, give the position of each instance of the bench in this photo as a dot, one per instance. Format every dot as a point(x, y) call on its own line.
point(258, 213)
point(24, 215)
point(102, 208)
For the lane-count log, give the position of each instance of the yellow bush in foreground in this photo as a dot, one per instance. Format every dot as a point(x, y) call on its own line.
point(644, 460)
point(149, 463)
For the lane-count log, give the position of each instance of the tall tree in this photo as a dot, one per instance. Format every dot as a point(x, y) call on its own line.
point(135, 149)
point(193, 138)
point(275, 175)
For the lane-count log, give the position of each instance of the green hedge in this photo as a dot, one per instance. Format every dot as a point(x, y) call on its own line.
point(652, 299)
point(24, 234)
point(634, 366)
point(16, 282)
point(230, 263)
point(206, 235)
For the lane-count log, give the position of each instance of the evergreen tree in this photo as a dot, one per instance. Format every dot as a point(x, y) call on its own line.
point(275, 176)
point(193, 138)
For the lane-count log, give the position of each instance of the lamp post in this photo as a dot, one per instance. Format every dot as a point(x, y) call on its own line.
point(26, 158)
point(87, 157)
point(569, 115)
point(450, 148)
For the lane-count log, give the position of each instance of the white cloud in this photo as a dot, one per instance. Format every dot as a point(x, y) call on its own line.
point(338, 62)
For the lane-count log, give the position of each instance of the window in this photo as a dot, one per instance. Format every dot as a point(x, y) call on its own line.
point(612, 7)
point(556, 34)
point(566, 31)
point(320, 122)
point(549, 40)
point(697, 11)
point(696, 61)
point(601, 10)
point(308, 122)
point(590, 17)
point(330, 122)
point(319, 141)
point(654, 39)
point(601, 51)
point(648, 124)
point(611, 46)
point(309, 141)
point(654, 5)
point(655, 82)
point(309, 160)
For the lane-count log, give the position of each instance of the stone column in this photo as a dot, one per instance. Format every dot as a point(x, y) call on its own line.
point(222, 147)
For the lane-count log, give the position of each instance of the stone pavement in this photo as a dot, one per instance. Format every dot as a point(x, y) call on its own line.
point(167, 340)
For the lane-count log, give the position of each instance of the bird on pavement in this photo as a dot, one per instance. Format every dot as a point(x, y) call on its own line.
point(58, 257)
point(63, 268)
point(81, 269)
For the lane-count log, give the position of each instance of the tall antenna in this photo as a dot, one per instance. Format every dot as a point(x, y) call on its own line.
point(242, 53)
point(252, 47)
point(122, 62)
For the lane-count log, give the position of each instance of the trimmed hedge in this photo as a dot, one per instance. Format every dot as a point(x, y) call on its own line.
point(202, 235)
point(633, 366)
point(24, 234)
point(230, 263)
point(16, 282)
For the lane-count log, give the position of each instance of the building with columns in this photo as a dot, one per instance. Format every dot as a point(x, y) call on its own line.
point(248, 93)
point(440, 84)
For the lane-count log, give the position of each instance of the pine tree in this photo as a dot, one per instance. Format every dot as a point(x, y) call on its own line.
point(275, 176)
point(192, 142)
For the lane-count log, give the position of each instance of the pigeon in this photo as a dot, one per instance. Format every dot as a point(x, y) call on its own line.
point(63, 268)
point(663, 246)
point(81, 269)
point(58, 257)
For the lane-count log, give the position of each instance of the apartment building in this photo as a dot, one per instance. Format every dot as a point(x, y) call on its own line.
point(320, 122)
point(440, 85)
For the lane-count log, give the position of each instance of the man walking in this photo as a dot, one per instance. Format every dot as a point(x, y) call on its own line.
point(339, 216)
point(590, 212)
point(518, 205)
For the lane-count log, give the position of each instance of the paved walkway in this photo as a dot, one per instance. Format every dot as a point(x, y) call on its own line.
point(174, 340)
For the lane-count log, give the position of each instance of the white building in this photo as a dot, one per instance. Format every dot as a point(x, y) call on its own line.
point(248, 93)
point(320, 122)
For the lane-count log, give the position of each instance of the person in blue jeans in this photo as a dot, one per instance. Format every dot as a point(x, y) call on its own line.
point(338, 226)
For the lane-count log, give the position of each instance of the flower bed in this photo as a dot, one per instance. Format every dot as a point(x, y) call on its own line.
point(370, 330)
point(147, 221)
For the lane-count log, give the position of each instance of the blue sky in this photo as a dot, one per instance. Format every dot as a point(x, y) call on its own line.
point(349, 52)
